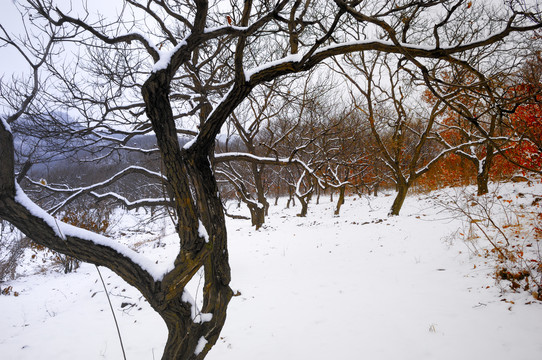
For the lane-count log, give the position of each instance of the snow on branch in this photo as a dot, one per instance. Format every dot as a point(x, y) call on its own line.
point(131, 204)
point(238, 156)
point(90, 190)
point(165, 57)
point(64, 231)
point(235, 181)
point(457, 149)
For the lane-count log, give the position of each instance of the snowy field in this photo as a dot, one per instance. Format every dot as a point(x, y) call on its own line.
point(357, 286)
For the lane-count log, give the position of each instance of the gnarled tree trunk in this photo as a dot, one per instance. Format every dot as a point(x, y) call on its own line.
point(304, 200)
point(197, 204)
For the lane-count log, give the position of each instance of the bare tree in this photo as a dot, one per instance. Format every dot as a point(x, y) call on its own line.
point(248, 121)
point(400, 125)
point(304, 123)
point(128, 82)
point(346, 155)
point(490, 104)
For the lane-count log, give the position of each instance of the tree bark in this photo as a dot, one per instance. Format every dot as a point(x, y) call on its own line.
point(197, 204)
point(340, 201)
point(216, 292)
point(402, 190)
point(7, 183)
point(257, 215)
point(260, 189)
point(304, 206)
point(304, 201)
point(482, 177)
point(482, 180)
point(291, 198)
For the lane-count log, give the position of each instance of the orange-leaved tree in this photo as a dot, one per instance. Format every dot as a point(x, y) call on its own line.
point(526, 120)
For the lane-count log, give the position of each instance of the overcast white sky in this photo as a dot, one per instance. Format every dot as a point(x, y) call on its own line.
point(11, 61)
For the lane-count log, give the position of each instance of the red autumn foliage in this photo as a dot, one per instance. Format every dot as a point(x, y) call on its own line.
point(527, 122)
point(524, 126)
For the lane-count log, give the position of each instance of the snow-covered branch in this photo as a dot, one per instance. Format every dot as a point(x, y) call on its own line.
point(75, 193)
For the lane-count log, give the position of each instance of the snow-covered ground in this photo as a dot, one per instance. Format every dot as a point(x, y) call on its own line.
point(357, 286)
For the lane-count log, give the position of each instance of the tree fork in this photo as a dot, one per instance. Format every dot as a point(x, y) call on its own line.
point(197, 204)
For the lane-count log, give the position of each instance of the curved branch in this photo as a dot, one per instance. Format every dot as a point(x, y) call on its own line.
point(82, 244)
point(90, 190)
point(78, 23)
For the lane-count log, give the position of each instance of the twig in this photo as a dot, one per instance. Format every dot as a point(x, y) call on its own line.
point(112, 312)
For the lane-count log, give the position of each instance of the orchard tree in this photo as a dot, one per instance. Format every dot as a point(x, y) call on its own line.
point(173, 69)
point(253, 123)
point(464, 138)
point(402, 127)
point(487, 142)
point(246, 123)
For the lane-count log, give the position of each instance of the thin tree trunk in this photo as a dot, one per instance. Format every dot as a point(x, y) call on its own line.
point(304, 206)
point(340, 202)
point(260, 192)
point(291, 198)
point(482, 177)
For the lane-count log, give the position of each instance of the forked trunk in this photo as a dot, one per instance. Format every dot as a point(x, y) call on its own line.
point(202, 234)
point(304, 207)
point(304, 201)
point(190, 338)
point(257, 215)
